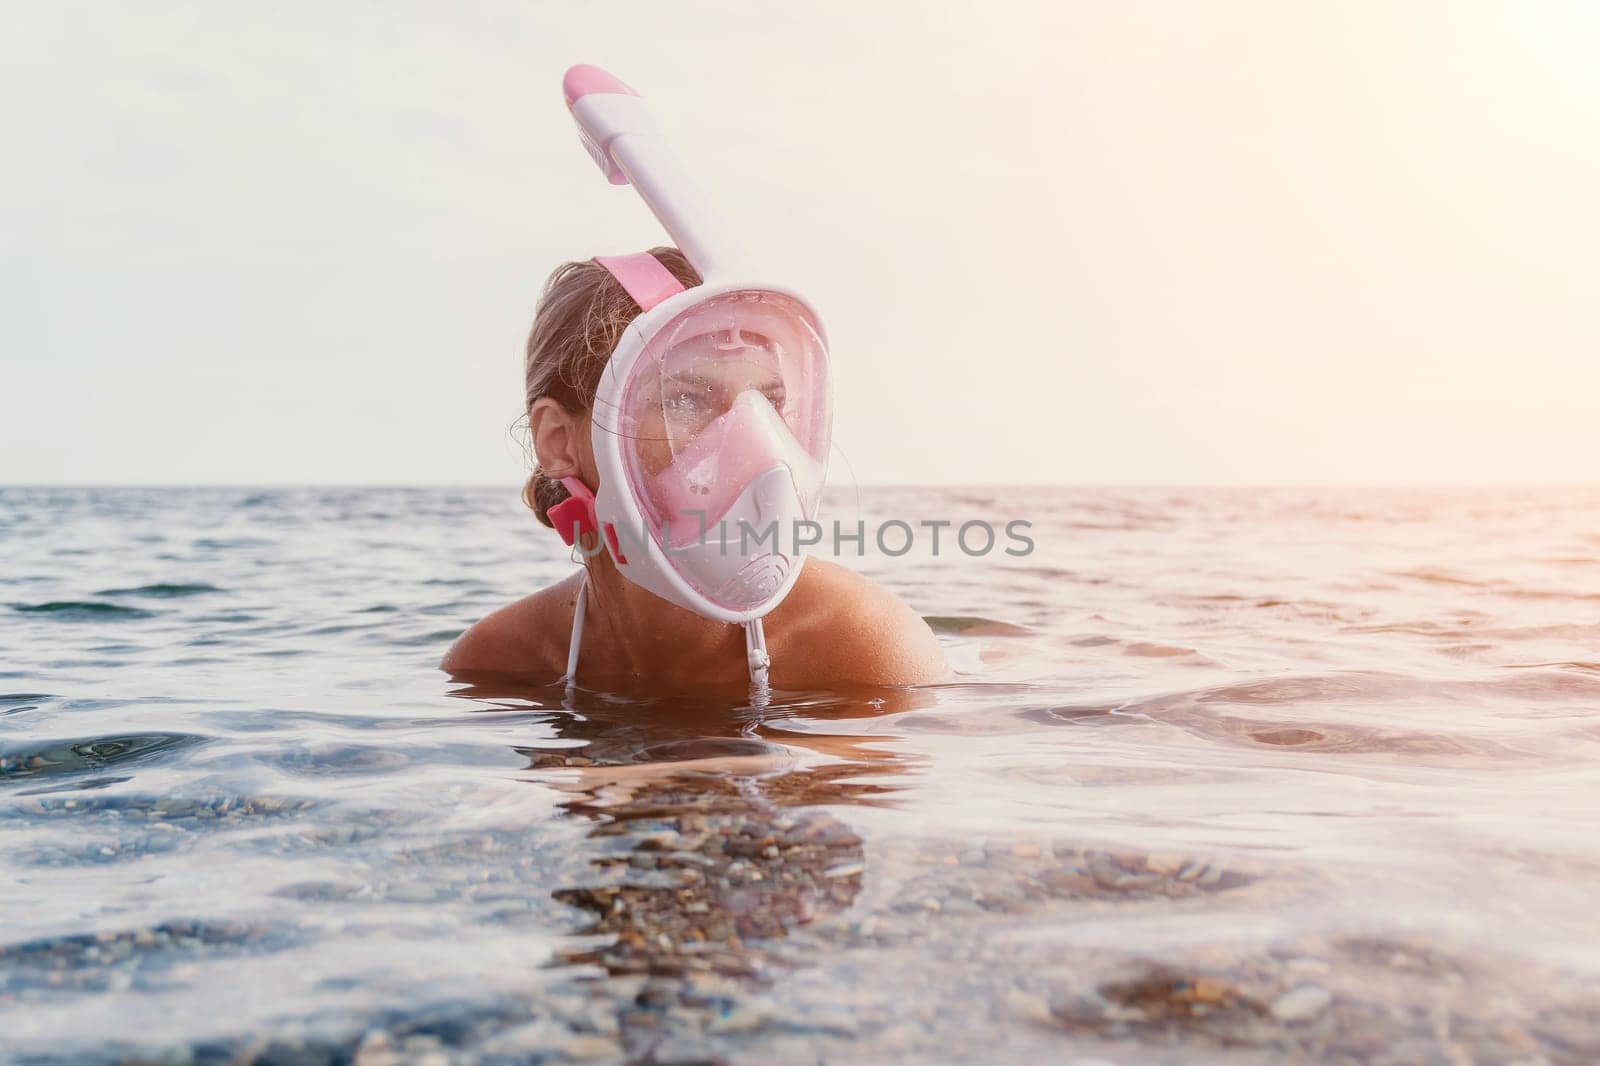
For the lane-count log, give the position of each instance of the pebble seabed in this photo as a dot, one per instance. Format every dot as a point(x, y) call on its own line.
point(716, 921)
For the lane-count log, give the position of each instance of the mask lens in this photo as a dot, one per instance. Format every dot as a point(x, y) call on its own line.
point(703, 376)
point(731, 393)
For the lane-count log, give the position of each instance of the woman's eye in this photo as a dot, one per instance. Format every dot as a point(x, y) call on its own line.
point(686, 399)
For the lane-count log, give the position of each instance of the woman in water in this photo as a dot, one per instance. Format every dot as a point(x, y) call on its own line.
point(835, 628)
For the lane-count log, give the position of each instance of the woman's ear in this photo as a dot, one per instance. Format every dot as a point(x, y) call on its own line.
point(556, 438)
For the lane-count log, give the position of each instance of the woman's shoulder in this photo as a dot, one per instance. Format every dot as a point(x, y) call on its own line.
point(835, 628)
point(838, 626)
point(526, 637)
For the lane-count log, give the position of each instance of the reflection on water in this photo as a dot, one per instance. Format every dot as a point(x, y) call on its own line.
point(1228, 776)
point(708, 844)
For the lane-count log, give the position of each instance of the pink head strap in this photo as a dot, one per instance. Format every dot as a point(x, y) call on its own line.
point(642, 274)
point(574, 516)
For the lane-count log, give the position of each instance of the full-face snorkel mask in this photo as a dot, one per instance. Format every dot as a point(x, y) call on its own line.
point(711, 421)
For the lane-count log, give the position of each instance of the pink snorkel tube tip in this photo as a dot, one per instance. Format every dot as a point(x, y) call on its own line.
point(584, 79)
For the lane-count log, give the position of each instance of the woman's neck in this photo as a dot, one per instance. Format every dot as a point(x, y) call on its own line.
point(630, 631)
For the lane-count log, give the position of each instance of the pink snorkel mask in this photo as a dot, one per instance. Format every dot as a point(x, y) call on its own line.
point(711, 421)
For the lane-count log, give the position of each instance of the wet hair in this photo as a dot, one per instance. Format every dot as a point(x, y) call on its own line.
point(581, 313)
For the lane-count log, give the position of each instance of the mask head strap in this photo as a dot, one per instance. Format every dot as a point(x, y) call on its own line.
point(642, 274)
point(574, 516)
point(648, 282)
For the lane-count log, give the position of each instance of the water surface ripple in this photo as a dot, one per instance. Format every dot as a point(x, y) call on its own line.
point(1226, 776)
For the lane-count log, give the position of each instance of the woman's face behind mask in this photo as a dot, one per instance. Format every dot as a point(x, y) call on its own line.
point(730, 391)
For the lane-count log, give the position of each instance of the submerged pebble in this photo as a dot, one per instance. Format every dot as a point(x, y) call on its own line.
point(1301, 1004)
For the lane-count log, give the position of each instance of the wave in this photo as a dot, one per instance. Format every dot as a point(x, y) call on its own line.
point(83, 610)
point(81, 754)
point(974, 626)
point(162, 591)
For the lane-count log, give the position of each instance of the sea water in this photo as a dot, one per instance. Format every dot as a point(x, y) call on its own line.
point(1233, 775)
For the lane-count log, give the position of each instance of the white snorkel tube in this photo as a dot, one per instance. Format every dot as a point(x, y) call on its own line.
point(759, 462)
point(622, 139)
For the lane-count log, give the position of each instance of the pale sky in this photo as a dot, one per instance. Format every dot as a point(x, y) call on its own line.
point(1052, 242)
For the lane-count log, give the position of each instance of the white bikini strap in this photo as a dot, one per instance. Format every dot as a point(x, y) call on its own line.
point(755, 643)
point(575, 642)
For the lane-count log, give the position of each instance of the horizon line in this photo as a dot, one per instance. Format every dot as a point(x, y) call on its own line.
point(973, 485)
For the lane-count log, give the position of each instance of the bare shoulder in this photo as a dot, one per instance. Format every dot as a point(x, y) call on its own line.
point(525, 637)
point(839, 627)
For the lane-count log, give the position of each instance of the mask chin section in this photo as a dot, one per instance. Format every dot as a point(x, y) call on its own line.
point(748, 554)
point(759, 580)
